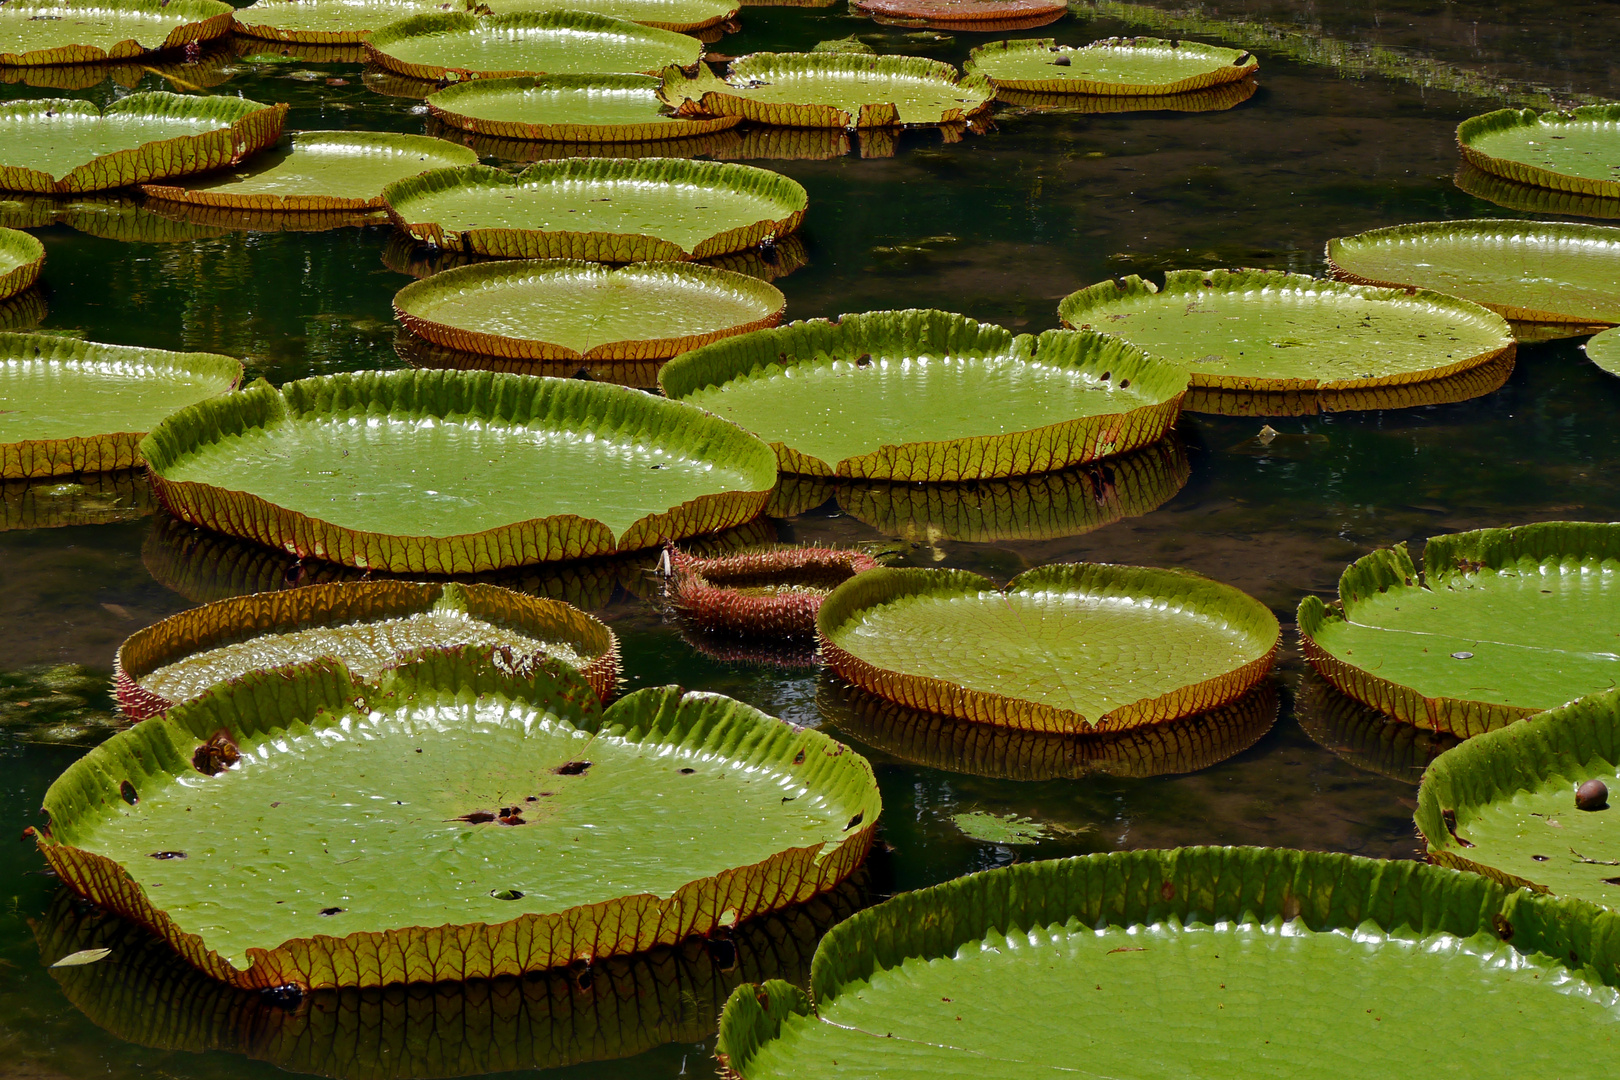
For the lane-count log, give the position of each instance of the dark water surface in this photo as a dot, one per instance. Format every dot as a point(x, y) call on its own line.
point(1351, 128)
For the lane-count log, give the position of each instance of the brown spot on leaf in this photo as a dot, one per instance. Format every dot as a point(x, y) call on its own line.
point(798, 759)
point(331, 910)
point(1504, 929)
point(217, 754)
point(1167, 891)
point(477, 817)
point(572, 768)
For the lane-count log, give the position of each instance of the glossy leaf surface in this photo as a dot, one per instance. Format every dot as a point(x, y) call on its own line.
point(1122, 67)
point(569, 108)
point(85, 31)
point(1576, 151)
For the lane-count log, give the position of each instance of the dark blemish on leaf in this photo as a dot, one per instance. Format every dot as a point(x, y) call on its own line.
point(477, 817)
point(1128, 948)
point(1061, 61)
point(274, 805)
point(418, 749)
point(217, 754)
point(723, 951)
point(1168, 890)
point(1504, 929)
point(854, 821)
point(658, 466)
point(688, 772)
point(798, 759)
point(572, 768)
point(865, 360)
point(506, 894)
point(1541, 858)
point(331, 911)
point(127, 790)
point(1611, 881)
point(167, 855)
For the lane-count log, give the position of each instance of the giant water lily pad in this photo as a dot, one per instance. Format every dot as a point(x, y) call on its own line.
point(455, 472)
point(71, 406)
point(770, 593)
point(1504, 804)
point(933, 741)
point(331, 22)
point(59, 146)
point(604, 210)
point(837, 90)
point(944, 982)
point(1536, 271)
point(1081, 648)
point(369, 625)
point(1604, 350)
point(1262, 330)
point(1116, 67)
point(680, 15)
point(533, 828)
point(610, 109)
point(570, 310)
point(1501, 624)
point(1576, 151)
point(319, 170)
point(1363, 736)
point(465, 46)
point(927, 395)
point(38, 32)
point(21, 257)
point(617, 1007)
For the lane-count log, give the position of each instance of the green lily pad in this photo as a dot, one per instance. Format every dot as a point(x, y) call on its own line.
point(999, 828)
point(609, 109)
point(1533, 200)
point(1260, 330)
point(21, 257)
point(464, 46)
point(830, 89)
point(61, 146)
point(441, 479)
point(369, 625)
point(604, 210)
point(614, 1008)
point(1501, 624)
point(1576, 151)
point(1604, 351)
point(936, 983)
point(1534, 271)
point(95, 499)
point(850, 44)
point(533, 828)
point(1363, 736)
point(683, 16)
point(1504, 805)
point(1083, 647)
point(569, 310)
point(319, 171)
point(71, 406)
point(1045, 506)
point(927, 395)
point(1122, 67)
point(36, 33)
point(933, 741)
point(331, 22)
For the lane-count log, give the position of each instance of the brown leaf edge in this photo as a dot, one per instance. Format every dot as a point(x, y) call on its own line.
point(31, 254)
point(443, 105)
point(210, 19)
point(1476, 127)
point(243, 618)
point(455, 953)
point(934, 695)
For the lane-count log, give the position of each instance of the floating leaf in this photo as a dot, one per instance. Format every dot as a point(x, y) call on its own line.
point(71, 406)
point(1081, 647)
point(1501, 624)
point(464, 46)
point(1115, 67)
point(1363, 736)
point(851, 44)
point(369, 625)
point(941, 742)
point(1604, 351)
point(934, 983)
point(987, 15)
point(1503, 804)
point(60, 146)
point(1262, 330)
point(83, 956)
point(684, 16)
point(582, 311)
point(330, 22)
point(319, 171)
point(612, 109)
point(441, 478)
point(617, 211)
point(773, 593)
point(576, 863)
point(1576, 151)
point(21, 257)
point(991, 828)
point(612, 1008)
point(928, 395)
point(35, 33)
point(1535, 271)
point(829, 89)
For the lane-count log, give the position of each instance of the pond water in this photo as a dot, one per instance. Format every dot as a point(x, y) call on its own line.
point(1351, 128)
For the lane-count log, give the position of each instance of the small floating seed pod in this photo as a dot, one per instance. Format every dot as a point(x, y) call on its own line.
point(773, 593)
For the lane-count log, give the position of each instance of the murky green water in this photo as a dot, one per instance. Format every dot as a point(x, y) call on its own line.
point(998, 226)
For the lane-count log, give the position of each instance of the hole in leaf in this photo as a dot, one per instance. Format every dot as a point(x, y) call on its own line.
point(167, 855)
point(285, 996)
point(1541, 858)
point(331, 910)
point(506, 894)
point(723, 951)
point(854, 821)
point(127, 791)
point(688, 772)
